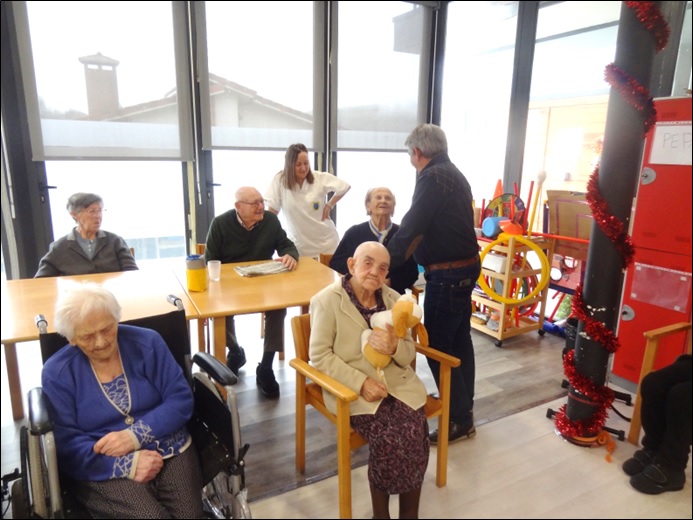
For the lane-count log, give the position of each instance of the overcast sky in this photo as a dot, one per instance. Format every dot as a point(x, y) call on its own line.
point(273, 57)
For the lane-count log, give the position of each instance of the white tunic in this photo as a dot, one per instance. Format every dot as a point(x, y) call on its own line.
point(303, 209)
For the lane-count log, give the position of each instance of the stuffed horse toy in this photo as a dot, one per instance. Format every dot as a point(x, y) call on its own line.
point(404, 315)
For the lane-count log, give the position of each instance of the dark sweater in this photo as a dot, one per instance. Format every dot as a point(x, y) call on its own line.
point(401, 278)
point(441, 211)
point(229, 241)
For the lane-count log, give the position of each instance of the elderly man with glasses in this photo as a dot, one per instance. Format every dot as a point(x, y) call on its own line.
point(249, 232)
point(87, 248)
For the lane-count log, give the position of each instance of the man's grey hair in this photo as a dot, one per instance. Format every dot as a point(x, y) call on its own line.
point(428, 138)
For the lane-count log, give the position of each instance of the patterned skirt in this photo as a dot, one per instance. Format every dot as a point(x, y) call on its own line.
point(398, 444)
point(176, 492)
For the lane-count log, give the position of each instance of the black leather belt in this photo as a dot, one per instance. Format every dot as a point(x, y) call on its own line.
point(455, 264)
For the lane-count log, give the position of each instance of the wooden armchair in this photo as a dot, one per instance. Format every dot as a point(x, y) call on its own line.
point(651, 348)
point(325, 258)
point(310, 384)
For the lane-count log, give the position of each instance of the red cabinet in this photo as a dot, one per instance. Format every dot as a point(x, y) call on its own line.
point(657, 288)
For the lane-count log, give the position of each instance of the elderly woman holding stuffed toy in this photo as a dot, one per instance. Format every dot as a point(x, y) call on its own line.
point(389, 411)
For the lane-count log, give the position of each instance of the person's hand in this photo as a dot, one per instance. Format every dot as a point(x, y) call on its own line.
point(326, 211)
point(384, 341)
point(149, 464)
point(373, 390)
point(115, 444)
point(288, 261)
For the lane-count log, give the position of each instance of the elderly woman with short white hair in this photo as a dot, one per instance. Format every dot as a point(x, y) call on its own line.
point(120, 403)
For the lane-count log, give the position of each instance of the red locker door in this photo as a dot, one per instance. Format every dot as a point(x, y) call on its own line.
point(657, 292)
point(662, 219)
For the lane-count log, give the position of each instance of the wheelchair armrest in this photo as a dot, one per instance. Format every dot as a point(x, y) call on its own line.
point(215, 368)
point(437, 355)
point(39, 419)
point(176, 301)
point(340, 391)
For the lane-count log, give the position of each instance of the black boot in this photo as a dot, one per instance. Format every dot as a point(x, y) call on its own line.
point(656, 478)
point(266, 382)
point(235, 359)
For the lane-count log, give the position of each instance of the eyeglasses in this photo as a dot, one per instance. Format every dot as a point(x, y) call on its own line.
point(254, 203)
point(94, 212)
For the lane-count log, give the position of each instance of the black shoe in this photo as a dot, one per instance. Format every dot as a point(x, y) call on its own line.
point(266, 382)
point(655, 479)
point(456, 432)
point(638, 461)
point(235, 359)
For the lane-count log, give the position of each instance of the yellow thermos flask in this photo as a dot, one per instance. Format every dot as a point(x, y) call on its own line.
point(196, 273)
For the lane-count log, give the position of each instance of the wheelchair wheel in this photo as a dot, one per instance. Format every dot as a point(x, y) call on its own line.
point(241, 508)
point(20, 501)
point(34, 481)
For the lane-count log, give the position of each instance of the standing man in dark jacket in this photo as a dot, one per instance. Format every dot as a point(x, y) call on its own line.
point(247, 233)
point(438, 230)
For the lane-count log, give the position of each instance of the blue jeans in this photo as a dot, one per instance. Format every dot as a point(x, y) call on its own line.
point(447, 317)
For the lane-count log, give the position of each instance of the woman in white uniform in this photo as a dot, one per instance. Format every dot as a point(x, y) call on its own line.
point(302, 194)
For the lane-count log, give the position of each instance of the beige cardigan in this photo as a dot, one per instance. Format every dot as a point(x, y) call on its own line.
point(335, 348)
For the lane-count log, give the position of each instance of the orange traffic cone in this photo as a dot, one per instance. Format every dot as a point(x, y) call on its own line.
point(499, 189)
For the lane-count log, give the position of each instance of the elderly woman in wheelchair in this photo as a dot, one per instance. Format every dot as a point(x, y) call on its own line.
point(120, 403)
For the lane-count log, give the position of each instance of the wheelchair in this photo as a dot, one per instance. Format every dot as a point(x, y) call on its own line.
point(41, 491)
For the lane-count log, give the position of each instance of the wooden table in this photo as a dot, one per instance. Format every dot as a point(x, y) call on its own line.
point(234, 294)
point(140, 293)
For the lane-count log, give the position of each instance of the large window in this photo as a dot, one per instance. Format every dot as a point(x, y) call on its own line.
point(105, 80)
point(99, 95)
point(149, 218)
point(379, 68)
point(258, 89)
point(378, 100)
point(569, 96)
point(479, 52)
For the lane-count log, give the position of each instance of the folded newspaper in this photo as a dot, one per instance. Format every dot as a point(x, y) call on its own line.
point(271, 267)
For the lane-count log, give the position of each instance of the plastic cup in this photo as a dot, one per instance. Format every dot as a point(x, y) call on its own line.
point(214, 270)
point(491, 226)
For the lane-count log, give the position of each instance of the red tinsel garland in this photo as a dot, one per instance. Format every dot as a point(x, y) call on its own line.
point(639, 98)
point(612, 226)
point(596, 330)
point(652, 19)
point(633, 92)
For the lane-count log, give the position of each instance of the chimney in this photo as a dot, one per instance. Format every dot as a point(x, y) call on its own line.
point(102, 85)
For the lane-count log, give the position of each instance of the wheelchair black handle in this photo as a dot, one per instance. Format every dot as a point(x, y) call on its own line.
point(41, 323)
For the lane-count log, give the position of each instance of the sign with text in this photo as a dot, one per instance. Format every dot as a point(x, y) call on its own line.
point(672, 143)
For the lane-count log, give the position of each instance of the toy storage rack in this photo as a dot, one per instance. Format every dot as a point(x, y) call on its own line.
point(510, 323)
